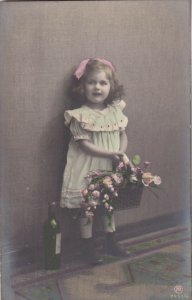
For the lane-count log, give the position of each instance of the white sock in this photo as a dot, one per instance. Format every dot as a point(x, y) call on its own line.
point(109, 224)
point(86, 229)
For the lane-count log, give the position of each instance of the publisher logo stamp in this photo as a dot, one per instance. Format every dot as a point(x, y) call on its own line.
point(178, 289)
point(178, 293)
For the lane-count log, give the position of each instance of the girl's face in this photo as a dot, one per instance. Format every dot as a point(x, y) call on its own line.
point(97, 87)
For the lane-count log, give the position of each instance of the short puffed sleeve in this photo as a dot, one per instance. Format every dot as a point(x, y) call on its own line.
point(119, 104)
point(78, 132)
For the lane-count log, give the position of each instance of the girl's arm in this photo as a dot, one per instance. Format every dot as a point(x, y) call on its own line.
point(92, 149)
point(124, 144)
point(123, 141)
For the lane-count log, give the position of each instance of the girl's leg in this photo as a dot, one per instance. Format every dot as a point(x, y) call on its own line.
point(89, 251)
point(112, 247)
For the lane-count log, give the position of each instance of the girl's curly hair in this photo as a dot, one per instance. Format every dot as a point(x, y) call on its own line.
point(77, 86)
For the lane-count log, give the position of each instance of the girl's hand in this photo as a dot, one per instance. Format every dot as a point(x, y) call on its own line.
point(116, 156)
point(131, 165)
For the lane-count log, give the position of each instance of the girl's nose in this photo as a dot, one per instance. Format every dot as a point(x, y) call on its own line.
point(97, 85)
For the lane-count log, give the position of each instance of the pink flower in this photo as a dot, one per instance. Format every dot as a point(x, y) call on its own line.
point(96, 194)
point(94, 204)
point(91, 187)
point(84, 192)
point(157, 180)
point(117, 178)
point(147, 178)
point(107, 181)
point(106, 197)
point(89, 214)
point(106, 205)
point(133, 179)
point(133, 169)
point(147, 163)
point(120, 166)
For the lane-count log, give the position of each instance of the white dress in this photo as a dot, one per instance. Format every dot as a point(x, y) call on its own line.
point(102, 128)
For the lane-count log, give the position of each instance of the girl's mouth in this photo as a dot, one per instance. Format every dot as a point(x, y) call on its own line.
point(97, 94)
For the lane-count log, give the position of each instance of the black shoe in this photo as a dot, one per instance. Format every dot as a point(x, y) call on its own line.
point(89, 252)
point(112, 248)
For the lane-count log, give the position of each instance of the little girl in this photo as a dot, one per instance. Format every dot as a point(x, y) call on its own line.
point(98, 139)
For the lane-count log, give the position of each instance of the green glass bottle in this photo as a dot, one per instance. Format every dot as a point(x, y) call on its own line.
point(52, 240)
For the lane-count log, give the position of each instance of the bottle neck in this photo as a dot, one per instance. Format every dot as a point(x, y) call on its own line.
point(52, 212)
point(51, 216)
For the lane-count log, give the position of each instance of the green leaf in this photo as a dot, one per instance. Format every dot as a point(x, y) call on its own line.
point(136, 159)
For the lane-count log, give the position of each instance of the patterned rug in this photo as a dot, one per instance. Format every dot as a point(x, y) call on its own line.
point(46, 291)
point(150, 268)
point(156, 242)
point(160, 268)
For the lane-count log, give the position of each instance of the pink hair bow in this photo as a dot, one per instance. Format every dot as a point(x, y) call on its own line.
point(82, 66)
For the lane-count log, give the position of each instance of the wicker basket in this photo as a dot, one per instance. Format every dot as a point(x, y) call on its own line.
point(128, 197)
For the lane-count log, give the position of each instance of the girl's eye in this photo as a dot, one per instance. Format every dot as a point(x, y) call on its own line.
point(91, 82)
point(103, 82)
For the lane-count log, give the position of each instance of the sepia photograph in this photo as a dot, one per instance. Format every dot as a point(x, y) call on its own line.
point(95, 147)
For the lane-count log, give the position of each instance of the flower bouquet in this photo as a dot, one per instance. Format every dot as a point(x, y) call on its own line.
point(118, 189)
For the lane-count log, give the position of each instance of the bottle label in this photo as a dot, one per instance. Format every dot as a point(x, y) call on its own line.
point(58, 243)
point(53, 223)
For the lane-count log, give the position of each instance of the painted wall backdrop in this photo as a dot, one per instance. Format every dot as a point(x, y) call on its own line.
point(40, 45)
